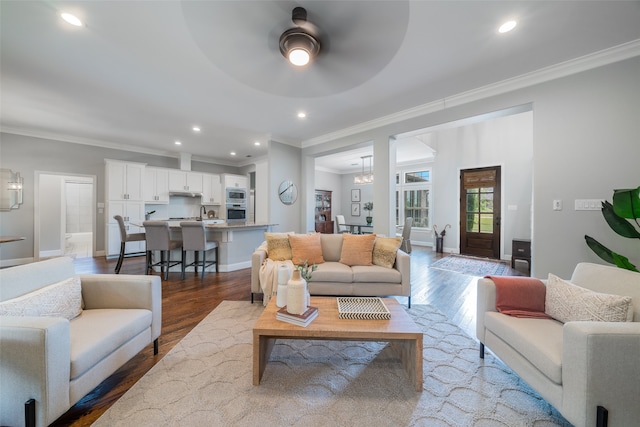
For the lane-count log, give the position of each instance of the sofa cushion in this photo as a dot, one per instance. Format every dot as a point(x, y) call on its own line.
point(332, 272)
point(537, 340)
point(331, 246)
point(97, 333)
point(375, 274)
point(62, 299)
point(306, 247)
point(385, 250)
point(357, 249)
point(278, 246)
point(567, 302)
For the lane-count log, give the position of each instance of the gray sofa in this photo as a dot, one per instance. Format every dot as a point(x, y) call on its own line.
point(588, 370)
point(334, 278)
point(47, 364)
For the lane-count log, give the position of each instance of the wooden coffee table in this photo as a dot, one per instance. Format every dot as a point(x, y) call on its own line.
point(401, 331)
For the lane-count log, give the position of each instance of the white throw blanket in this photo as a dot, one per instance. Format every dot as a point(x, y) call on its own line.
point(269, 277)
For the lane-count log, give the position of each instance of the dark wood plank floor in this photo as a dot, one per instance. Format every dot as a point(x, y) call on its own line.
point(186, 302)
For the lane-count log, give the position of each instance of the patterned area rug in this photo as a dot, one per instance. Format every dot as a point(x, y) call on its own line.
point(206, 379)
point(472, 266)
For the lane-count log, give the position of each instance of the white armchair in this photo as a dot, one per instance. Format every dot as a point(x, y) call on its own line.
point(588, 370)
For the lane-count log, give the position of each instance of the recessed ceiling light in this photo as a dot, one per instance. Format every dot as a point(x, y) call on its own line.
point(233, 153)
point(71, 19)
point(257, 143)
point(507, 26)
point(178, 143)
point(302, 115)
point(196, 128)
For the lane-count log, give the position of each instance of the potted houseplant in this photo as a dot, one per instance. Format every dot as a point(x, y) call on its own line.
point(621, 216)
point(368, 207)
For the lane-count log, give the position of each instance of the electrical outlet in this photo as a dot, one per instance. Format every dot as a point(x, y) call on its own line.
point(557, 205)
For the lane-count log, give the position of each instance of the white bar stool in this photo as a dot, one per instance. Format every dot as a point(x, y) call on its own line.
point(194, 238)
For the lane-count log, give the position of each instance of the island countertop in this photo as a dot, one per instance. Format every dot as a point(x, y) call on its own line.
point(213, 226)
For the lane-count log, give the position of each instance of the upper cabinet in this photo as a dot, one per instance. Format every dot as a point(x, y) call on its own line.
point(211, 190)
point(156, 186)
point(124, 180)
point(236, 181)
point(185, 181)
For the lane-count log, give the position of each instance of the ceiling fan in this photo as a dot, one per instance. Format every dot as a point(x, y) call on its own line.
point(347, 38)
point(300, 44)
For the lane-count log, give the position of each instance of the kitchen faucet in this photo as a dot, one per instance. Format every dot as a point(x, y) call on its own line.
point(202, 209)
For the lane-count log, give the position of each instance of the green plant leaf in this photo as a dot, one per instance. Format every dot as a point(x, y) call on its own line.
point(600, 250)
point(608, 255)
point(623, 262)
point(618, 224)
point(626, 203)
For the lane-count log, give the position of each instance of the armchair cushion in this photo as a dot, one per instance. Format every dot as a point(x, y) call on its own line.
point(62, 299)
point(567, 302)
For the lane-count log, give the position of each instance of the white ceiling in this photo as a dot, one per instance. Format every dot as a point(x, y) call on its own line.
point(139, 74)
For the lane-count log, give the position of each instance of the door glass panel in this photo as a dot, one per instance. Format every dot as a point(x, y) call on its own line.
point(472, 200)
point(486, 223)
point(486, 202)
point(473, 222)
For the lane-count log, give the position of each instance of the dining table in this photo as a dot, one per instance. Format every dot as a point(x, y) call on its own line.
point(357, 228)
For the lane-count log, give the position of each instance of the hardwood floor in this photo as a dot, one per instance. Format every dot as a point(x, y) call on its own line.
point(186, 302)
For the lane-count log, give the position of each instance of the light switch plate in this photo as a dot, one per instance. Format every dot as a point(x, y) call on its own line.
point(557, 205)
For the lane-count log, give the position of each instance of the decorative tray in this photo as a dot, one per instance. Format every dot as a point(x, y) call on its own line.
point(362, 308)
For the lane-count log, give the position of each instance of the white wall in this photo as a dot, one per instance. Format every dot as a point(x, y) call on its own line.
point(284, 164)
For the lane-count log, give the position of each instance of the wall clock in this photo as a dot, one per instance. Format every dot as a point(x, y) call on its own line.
point(287, 192)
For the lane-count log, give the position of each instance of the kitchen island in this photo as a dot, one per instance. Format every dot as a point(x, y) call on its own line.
point(237, 241)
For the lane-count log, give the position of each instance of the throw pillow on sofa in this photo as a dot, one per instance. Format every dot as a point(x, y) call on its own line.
point(357, 249)
point(567, 302)
point(306, 247)
point(385, 250)
point(62, 299)
point(278, 246)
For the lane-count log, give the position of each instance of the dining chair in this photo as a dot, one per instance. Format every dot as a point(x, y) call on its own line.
point(159, 239)
point(340, 224)
point(406, 235)
point(124, 238)
point(194, 238)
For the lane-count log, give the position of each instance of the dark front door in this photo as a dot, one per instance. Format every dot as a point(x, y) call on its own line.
point(480, 212)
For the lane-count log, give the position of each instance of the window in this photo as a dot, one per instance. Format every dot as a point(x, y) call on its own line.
point(413, 197)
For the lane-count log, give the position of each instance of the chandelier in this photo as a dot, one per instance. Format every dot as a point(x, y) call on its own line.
point(365, 178)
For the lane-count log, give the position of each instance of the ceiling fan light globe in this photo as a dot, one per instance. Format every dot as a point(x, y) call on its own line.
point(299, 57)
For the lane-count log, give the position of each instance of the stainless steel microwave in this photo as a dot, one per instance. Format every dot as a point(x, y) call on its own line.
point(236, 195)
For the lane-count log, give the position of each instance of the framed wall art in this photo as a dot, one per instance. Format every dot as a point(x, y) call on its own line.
point(355, 209)
point(355, 195)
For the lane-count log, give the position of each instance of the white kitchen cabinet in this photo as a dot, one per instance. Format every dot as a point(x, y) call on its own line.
point(211, 190)
point(236, 181)
point(156, 186)
point(185, 181)
point(130, 211)
point(124, 180)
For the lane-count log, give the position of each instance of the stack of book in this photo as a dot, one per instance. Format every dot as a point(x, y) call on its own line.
point(297, 319)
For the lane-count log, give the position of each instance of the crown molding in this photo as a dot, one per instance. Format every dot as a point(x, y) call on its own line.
point(110, 145)
point(587, 62)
